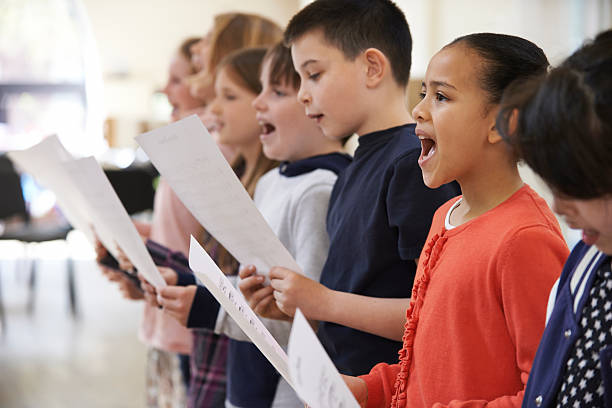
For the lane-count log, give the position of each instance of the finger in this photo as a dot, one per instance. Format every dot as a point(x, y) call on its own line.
point(265, 305)
point(278, 284)
point(259, 295)
point(278, 273)
point(246, 271)
point(251, 283)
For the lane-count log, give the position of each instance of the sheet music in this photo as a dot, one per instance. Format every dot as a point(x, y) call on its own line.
point(227, 295)
point(43, 162)
point(188, 158)
point(108, 213)
point(313, 375)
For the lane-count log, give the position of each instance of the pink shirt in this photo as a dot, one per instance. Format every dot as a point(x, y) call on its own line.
point(172, 225)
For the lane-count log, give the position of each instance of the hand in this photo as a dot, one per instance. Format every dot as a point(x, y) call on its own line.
point(293, 290)
point(259, 297)
point(124, 262)
point(126, 286)
point(358, 388)
point(150, 293)
point(177, 301)
point(129, 290)
point(100, 250)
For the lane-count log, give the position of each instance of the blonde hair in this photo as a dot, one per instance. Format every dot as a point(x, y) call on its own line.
point(232, 32)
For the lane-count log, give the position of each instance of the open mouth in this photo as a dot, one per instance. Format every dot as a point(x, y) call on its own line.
point(428, 148)
point(267, 128)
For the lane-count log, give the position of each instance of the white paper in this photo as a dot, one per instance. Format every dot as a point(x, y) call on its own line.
point(313, 375)
point(43, 162)
point(234, 304)
point(188, 158)
point(108, 214)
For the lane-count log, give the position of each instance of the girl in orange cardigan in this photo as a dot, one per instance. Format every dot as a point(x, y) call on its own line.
point(492, 255)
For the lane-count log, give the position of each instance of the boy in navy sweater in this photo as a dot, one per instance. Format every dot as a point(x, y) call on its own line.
point(353, 58)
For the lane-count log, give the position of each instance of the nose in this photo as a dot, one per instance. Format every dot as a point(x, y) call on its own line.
point(419, 113)
point(214, 107)
point(259, 103)
point(303, 95)
point(166, 88)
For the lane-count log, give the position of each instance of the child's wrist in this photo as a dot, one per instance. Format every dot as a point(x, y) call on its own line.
point(323, 304)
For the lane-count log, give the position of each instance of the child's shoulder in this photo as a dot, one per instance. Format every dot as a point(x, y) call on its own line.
point(404, 142)
point(531, 208)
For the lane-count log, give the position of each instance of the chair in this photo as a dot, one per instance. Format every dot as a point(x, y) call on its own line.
point(19, 226)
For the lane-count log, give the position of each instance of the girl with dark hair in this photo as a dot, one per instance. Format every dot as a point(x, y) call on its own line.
point(561, 126)
point(476, 311)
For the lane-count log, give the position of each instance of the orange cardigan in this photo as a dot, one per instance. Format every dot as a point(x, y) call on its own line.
point(477, 310)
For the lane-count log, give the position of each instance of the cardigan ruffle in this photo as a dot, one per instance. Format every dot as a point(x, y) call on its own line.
point(430, 254)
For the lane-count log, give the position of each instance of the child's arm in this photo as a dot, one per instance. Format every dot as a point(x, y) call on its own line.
point(317, 302)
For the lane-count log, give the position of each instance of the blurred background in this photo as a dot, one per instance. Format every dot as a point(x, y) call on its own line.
point(92, 72)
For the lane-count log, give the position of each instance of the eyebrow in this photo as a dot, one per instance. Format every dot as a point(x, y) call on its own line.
point(439, 84)
point(310, 61)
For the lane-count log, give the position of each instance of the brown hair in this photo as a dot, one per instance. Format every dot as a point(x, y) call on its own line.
point(281, 66)
point(232, 32)
point(243, 67)
point(184, 51)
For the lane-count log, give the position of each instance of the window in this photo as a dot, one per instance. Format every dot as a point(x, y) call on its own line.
point(50, 80)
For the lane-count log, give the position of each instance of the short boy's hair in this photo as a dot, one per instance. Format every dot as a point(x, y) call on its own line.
point(356, 25)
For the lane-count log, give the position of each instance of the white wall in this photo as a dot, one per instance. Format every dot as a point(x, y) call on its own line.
point(136, 40)
point(558, 26)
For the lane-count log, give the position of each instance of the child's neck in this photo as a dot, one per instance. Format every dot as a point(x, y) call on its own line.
point(250, 153)
point(321, 145)
point(388, 110)
point(485, 192)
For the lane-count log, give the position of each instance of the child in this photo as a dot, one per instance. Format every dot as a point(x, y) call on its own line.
point(236, 86)
point(168, 344)
point(294, 198)
point(476, 313)
point(564, 132)
point(230, 32)
point(353, 59)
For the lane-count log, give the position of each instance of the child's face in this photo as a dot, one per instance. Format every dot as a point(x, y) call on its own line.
point(593, 217)
point(286, 132)
point(331, 86)
point(233, 111)
point(452, 120)
point(177, 91)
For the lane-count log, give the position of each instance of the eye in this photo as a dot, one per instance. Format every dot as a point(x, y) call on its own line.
point(422, 95)
point(315, 76)
point(279, 93)
point(440, 97)
point(230, 97)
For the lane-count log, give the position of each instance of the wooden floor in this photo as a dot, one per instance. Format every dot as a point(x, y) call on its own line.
point(49, 359)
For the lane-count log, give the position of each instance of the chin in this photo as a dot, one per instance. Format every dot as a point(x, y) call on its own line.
point(430, 181)
point(605, 246)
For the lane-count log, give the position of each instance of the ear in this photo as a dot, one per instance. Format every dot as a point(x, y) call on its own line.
point(493, 135)
point(376, 66)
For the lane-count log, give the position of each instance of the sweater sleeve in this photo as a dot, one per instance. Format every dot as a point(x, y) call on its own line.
point(535, 255)
point(309, 245)
point(308, 229)
point(380, 382)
